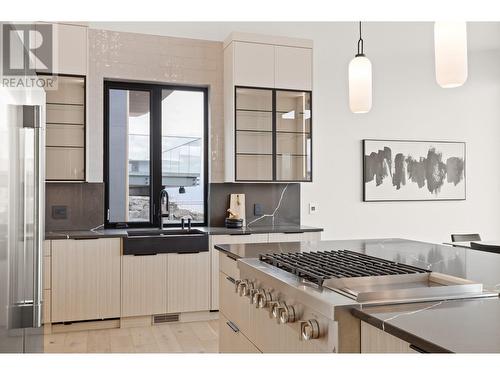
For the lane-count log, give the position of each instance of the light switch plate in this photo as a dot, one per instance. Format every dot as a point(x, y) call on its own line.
point(313, 208)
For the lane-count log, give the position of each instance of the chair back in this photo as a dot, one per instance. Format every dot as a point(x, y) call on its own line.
point(465, 237)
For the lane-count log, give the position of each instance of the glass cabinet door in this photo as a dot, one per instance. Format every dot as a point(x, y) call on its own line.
point(293, 136)
point(254, 134)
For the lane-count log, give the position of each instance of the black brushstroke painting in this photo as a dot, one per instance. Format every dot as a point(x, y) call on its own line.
point(428, 171)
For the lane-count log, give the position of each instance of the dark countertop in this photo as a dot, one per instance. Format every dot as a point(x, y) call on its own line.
point(461, 326)
point(453, 326)
point(471, 264)
point(106, 233)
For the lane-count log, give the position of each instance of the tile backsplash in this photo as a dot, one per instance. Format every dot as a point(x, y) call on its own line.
point(73, 206)
point(267, 195)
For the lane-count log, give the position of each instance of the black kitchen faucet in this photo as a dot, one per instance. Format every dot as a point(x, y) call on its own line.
point(161, 215)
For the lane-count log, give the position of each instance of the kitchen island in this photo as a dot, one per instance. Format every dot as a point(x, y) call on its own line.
point(442, 325)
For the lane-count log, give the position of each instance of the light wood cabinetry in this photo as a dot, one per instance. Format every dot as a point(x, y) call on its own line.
point(69, 49)
point(249, 83)
point(144, 285)
point(165, 283)
point(374, 340)
point(253, 64)
point(85, 279)
point(188, 282)
point(231, 339)
point(231, 270)
point(293, 68)
point(65, 133)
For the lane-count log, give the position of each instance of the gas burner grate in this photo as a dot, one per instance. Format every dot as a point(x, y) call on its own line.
point(319, 266)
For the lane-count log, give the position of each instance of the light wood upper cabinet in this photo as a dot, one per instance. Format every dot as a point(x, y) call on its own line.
point(253, 64)
point(293, 68)
point(188, 282)
point(260, 62)
point(85, 279)
point(69, 49)
point(144, 285)
point(267, 61)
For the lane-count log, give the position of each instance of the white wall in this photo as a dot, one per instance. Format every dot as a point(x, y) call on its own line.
point(407, 104)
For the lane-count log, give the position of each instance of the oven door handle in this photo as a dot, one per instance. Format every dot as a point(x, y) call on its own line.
point(417, 349)
point(233, 326)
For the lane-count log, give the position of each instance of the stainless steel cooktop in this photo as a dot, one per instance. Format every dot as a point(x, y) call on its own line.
point(368, 279)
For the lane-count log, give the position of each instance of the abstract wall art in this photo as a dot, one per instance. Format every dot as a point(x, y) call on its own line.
point(413, 170)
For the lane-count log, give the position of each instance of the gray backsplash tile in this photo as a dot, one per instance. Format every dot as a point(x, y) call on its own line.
point(267, 195)
point(73, 206)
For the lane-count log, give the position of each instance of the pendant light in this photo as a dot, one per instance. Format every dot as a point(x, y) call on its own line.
point(450, 52)
point(360, 80)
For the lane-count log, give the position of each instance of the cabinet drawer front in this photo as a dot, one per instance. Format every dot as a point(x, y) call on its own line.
point(232, 340)
point(228, 266)
point(292, 237)
point(228, 298)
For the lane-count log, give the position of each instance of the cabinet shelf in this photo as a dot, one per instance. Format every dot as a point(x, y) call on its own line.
point(254, 110)
point(253, 154)
point(254, 131)
point(65, 123)
point(69, 104)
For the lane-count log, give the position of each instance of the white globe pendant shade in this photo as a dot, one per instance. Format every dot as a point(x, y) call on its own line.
point(450, 51)
point(360, 84)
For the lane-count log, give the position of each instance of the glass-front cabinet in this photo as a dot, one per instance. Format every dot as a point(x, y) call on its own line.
point(272, 135)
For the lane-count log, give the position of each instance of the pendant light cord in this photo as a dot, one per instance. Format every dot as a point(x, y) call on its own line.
point(360, 43)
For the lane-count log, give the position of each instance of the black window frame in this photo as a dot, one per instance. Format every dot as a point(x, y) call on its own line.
point(155, 91)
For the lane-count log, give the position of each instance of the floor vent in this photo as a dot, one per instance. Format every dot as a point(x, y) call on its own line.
point(165, 318)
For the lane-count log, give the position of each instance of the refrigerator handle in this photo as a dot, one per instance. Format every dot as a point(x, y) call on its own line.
point(32, 118)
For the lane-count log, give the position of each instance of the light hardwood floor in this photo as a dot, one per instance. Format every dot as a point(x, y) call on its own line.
point(192, 337)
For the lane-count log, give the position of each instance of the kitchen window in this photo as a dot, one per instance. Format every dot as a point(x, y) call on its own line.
point(155, 138)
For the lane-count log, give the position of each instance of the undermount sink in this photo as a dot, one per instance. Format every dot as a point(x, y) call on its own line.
point(158, 241)
point(162, 232)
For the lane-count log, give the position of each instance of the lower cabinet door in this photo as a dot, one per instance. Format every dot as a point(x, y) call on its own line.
point(231, 339)
point(144, 285)
point(85, 281)
point(188, 282)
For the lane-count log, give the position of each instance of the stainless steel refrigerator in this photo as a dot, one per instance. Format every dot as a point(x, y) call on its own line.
point(22, 164)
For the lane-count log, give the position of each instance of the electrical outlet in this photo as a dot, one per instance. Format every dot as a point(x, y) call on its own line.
point(257, 209)
point(313, 208)
point(59, 212)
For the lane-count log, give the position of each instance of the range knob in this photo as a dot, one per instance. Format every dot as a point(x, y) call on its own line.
point(245, 288)
point(242, 285)
point(252, 295)
point(264, 299)
point(287, 314)
point(236, 285)
point(276, 307)
point(256, 297)
point(309, 329)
